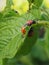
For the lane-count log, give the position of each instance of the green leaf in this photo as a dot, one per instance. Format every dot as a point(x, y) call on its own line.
point(38, 3)
point(11, 40)
point(36, 13)
point(44, 17)
point(11, 36)
point(24, 60)
point(28, 43)
point(1, 62)
point(41, 49)
point(8, 31)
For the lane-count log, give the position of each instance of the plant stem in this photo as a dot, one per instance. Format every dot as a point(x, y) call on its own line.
point(45, 23)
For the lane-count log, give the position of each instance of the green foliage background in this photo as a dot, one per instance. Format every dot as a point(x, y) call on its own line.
point(16, 50)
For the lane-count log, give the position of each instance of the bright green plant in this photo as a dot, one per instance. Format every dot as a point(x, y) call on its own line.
point(13, 45)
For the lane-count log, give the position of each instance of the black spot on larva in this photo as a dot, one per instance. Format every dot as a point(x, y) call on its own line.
point(31, 32)
point(30, 22)
point(33, 22)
